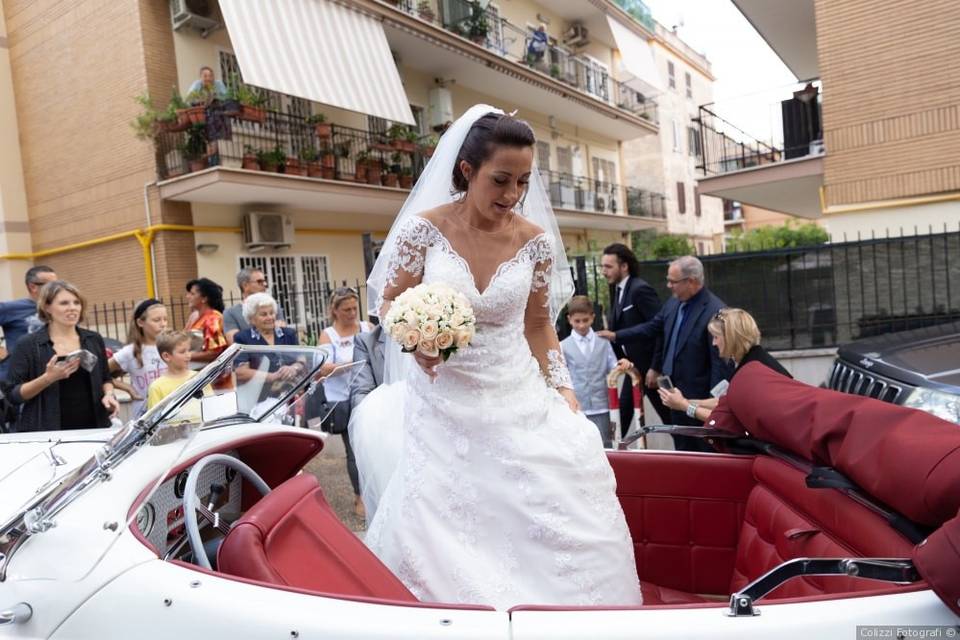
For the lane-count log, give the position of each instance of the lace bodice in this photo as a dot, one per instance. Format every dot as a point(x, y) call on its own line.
point(512, 310)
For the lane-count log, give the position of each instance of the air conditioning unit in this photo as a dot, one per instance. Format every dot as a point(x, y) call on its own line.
point(440, 108)
point(196, 14)
point(267, 230)
point(576, 36)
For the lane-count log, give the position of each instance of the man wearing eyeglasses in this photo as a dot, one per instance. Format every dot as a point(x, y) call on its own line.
point(19, 317)
point(687, 354)
point(250, 280)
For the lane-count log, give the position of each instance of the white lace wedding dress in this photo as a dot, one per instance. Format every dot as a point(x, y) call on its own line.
point(501, 495)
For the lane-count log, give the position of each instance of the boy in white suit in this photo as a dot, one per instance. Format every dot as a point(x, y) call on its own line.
point(590, 359)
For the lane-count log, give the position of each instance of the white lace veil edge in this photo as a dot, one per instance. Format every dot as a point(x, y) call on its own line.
point(434, 188)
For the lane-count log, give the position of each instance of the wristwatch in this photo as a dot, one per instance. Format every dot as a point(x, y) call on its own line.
point(692, 409)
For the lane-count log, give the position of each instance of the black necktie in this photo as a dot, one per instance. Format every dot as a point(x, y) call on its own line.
point(619, 305)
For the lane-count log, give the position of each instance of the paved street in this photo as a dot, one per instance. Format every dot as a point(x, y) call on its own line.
point(330, 467)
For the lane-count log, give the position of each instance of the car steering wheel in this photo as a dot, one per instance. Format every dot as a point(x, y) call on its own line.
point(191, 503)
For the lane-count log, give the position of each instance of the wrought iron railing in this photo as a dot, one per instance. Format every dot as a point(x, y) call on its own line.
point(646, 204)
point(271, 141)
point(581, 193)
point(513, 42)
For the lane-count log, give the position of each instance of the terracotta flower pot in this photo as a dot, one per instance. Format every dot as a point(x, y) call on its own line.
point(327, 173)
point(397, 144)
point(197, 115)
point(198, 165)
point(250, 163)
point(390, 180)
point(328, 160)
point(406, 182)
point(409, 147)
point(324, 130)
point(360, 174)
point(314, 170)
point(252, 114)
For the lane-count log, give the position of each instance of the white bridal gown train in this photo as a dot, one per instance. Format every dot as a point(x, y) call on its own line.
point(501, 494)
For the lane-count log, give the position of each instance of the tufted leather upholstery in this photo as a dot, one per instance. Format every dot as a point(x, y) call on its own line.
point(714, 523)
point(785, 520)
point(292, 537)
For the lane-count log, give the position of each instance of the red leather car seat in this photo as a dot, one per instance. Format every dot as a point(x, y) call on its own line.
point(292, 537)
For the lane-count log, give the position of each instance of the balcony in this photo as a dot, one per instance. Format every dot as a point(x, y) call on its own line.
point(278, 158)
point(646, 204)
point(783, 174)
point(535, 80)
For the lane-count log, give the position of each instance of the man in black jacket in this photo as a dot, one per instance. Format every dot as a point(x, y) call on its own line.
point(632, 301)
point(687, 354)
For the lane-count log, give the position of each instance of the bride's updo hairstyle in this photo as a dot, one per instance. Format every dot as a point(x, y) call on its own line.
point(491, 131)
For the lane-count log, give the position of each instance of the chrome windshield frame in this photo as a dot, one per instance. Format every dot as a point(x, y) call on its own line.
point(37, 515)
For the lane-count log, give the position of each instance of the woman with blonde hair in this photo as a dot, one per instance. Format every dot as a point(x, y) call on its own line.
point(339, 337)
point(737, 337)
point(60, 373)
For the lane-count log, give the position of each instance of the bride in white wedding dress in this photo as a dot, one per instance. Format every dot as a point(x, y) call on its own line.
point(502, 493)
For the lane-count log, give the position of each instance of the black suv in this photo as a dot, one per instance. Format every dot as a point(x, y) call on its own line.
point(918, 368)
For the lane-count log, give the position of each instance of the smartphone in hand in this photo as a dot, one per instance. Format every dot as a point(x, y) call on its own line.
point(664, 382)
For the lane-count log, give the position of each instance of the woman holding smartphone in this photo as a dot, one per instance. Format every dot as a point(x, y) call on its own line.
point(737, 338)
point(59, 374)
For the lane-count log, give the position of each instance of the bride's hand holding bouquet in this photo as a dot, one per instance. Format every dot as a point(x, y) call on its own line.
point(431, 321)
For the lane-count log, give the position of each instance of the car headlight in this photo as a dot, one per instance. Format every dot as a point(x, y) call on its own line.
point(943, 405)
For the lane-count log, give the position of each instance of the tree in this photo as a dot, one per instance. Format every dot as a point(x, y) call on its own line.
point(770, 237)
point(650, 245)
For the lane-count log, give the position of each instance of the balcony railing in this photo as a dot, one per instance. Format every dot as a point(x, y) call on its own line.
point(291, 144)
point(796, 132)
point(275, 142)
point(513, 43)
point(646, 204)
point(638, 11)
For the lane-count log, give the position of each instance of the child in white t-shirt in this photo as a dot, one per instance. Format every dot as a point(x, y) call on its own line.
point(139, 359)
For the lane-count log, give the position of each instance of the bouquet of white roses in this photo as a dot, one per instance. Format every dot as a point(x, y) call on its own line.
point(432, 319)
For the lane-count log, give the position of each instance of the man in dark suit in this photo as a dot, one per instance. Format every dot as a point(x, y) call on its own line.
point(632, 301)
point(687, 354)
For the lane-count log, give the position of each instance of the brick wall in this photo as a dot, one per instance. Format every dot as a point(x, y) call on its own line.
point(77, 65)
point(891, 78)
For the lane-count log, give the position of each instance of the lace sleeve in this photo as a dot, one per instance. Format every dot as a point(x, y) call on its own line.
point(405, 268)
point(538, 325)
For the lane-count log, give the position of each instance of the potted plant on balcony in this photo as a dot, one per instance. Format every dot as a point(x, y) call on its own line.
point(555, 71)
point(425, 10)
point(373, 170)
point(429, 144)
point(250, 161)
point(475, 26)
point(145, 124)
point(406, 178)
point(410, 140)
point(272, 160)
point(197, 101)
point(324, 129)
point(360, 170)
point(292, 166)
point(251, 104)
point(397, 135)
point(328, 161)
point(194, 146)
point(310, 158)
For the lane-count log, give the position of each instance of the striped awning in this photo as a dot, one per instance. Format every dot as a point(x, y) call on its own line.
point(319, 50)
point(636, 60)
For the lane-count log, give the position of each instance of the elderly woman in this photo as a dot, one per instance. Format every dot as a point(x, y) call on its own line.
point(260, 312)
point(60, 373)
point(737, 338)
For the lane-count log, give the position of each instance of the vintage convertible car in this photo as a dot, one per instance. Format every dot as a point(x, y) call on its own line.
point(195, 521)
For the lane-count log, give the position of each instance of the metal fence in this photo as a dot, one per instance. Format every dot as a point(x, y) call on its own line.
point(299, 306)
point(827, 295)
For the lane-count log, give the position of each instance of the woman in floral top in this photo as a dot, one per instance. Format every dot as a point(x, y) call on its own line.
point(205, 298)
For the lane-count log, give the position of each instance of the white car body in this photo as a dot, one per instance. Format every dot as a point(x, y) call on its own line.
point(91, 577)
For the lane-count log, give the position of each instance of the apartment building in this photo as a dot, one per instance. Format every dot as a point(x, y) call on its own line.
point(867, 141)
point(125, 218)
point(671, 163)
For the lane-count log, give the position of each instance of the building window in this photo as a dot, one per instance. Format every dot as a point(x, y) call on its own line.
point(693, 142)
point(689, 81)
point(696, 201)
point(681, 197)
point(543, 155)
point(676, 136)
point(671, 74)
point(565, 160)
